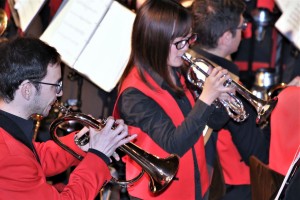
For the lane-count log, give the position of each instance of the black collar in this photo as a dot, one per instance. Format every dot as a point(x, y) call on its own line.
point(12, 124)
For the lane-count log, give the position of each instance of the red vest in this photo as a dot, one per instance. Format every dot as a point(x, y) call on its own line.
point(184, 187)
point(235, 171)
point(285, 130)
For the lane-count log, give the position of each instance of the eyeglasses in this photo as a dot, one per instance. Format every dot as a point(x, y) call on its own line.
point(181, 44)
point(58, 86)
point(243, 26)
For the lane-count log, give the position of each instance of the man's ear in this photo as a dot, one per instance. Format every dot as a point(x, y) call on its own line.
point(26, 89)
point(225, 38)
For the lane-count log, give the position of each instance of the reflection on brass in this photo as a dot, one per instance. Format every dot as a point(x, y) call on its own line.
point(234, 109)
point(161, 171)
point(38, 119)
point(3, 21)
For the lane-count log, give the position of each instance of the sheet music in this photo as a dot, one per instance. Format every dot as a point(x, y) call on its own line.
point(297, 157)
point(288, 24)
point(105, 56)
point(74, 26)
point(95, 42)
point(27, 10)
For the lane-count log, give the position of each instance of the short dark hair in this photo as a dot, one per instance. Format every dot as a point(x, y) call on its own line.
point(212, 18)
point(24, 58)
point(157, 24)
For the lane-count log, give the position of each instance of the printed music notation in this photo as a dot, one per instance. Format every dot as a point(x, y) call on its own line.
point(288, 23)
point(93, 38)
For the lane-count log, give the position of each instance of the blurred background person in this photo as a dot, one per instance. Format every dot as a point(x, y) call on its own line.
point(220, 24)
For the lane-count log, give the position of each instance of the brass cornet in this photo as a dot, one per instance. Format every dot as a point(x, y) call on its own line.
point(161, 171)
point(234, 109)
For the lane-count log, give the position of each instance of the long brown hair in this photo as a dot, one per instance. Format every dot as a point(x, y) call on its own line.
point(157, 24)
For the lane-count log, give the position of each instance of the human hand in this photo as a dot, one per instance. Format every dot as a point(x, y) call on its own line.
point(214, 85)
point(107, 140)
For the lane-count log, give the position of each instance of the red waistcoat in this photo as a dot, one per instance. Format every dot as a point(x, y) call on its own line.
point(285, 130)
point(184, 187)
point(235, 172)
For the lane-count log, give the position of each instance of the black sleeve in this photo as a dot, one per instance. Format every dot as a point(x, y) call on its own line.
point(219, 118)
point(139, 110)
point(248, 137)
point(101, 155)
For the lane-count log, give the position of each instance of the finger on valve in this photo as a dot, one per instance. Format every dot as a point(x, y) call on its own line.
point(116, 156)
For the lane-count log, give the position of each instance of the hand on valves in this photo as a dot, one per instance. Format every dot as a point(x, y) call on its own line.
point(214, 86)
point(107, 139)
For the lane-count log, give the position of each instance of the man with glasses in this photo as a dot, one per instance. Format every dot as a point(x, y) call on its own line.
point(30, 83)
point(58, 86)
point(219, 25)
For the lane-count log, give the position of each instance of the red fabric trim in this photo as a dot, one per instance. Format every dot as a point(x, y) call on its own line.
point(235, 172)
point(243, 65)
point(247, 34)
point(54, 5)
point(7, 10)
point(285, 129)
point(266, 4)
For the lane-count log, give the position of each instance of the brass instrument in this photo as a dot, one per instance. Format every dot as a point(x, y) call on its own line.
point(38, 118)
point(234, 109)
point(161, 171)
point(275, 90)
point(3, 21)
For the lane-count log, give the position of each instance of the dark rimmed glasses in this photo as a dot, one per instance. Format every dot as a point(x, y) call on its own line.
point(181, 44)
point(243, 26)
point(58, 86)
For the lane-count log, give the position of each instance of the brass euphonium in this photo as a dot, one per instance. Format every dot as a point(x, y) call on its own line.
point(234, 109)
point(160, 170)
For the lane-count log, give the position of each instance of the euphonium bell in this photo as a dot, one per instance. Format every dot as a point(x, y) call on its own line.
point(234, 109)
point(161, 171)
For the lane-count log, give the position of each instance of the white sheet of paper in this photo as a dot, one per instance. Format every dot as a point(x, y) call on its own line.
point(27, 10)
point(73, 27)
point(95, 42)
point(289, 22)
point(106, 54)
point(283, 4)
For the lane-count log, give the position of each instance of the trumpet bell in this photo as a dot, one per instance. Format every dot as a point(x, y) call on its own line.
point(160, 170)
point(264, 110)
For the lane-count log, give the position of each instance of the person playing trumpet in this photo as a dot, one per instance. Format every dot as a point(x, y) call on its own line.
point(30, 82)
point(154, 100)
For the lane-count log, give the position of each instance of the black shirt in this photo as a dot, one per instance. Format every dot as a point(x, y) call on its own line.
point(25, 125)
